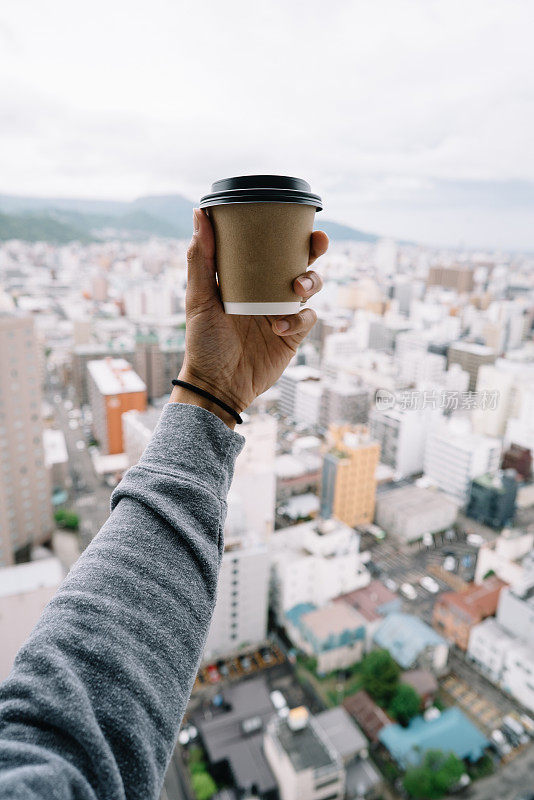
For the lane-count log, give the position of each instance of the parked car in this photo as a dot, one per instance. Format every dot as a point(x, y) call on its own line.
point(528, 724)
point(450, 564)
point(429, 584)
point(408, 591)
point(245, 663)
point(514, 731)
point(499, 743)
point(223, 668)
point(390, 584)
point(475, 539)
point(213, 674)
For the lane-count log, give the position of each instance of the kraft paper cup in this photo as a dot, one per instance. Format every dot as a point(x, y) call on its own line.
point(262, 226)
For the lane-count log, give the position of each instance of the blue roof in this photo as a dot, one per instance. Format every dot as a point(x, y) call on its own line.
point(294, 614)
point(450, 732)
point(406, 636)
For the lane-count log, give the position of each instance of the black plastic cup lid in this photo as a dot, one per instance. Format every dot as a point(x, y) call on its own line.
point(261, 189)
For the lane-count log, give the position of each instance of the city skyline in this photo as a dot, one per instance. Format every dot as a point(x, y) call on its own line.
point(413, 120)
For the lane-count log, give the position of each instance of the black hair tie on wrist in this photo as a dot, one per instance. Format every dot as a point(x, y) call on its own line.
point(208, 396)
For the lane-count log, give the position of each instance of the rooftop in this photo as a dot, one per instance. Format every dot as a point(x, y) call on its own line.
point(369, 716)
point(115, 376)
point(304, 747)
point(24, 578)
point(342, 732)
point(422, 680)
point(406, 637)
point(224, 738)
point(476, 601)
point(474, 348)
point(370, 599)
point(55, 448)
point(332, 620)
point(451, 731)
point(415, 499)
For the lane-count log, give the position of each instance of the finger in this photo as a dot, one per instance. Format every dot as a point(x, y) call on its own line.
point(295, 325)
point(318, 245)
point(201, 281)
point(308, 284)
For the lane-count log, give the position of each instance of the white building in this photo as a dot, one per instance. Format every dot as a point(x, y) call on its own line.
point(308, 397)
point(288, 383)
point(488, 645)
point(253, 489)
point(492, 420)
point(504, 649)
point(402, 435)
point(344, 403)
point(56, 457)
point(240, 615)
point(24, 592)
point(411, 512)
point(454, 456)
point(506, 556)
point(314, 562)
point(303, 760)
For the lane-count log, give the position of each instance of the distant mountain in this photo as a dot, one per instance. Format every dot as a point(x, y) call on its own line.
point(64, 219)
point(39, 228)
point(338, 232)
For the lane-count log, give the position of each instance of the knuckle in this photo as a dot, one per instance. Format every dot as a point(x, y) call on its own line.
point(193, 250)
point(308, 317)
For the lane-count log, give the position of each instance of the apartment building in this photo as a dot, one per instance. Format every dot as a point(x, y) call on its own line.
point(344, 403)
point(288, 383)
point(240, 615)
point(470, 356)
point(459, 278)
point(25, 505)
point(313, 562)
point(158, 361)
point(492, 499)
point(304, 762)
point(456, 613)
point(84, 353)
point(114, 388)
point(509, 556)
point(454, 456)
point(402, 434)
point(349, 475)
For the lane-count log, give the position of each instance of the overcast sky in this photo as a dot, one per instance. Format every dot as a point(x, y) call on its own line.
point(413, 118)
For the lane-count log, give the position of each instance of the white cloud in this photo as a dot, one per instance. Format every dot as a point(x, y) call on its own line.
point(367, 100)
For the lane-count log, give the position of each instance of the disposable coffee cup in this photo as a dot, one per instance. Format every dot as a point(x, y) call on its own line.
point(262, 225)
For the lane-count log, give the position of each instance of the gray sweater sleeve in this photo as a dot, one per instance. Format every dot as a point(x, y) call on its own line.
point(93, 705)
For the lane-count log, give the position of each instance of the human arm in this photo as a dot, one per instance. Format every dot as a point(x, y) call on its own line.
point(93, 705)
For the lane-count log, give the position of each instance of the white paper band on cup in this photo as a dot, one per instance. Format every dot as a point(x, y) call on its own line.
point(262, 308)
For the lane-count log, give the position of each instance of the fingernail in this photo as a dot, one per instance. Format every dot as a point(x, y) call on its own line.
point(196, 219)
point(306, 283)
point(282, 325)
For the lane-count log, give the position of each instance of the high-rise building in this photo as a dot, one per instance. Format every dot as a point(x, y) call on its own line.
point(454, 456)
point(402, 434)
point(158, 361)
point(240, 615)
point(113, 389)
point(25, 506)
point(518, 458)
point(492, 499)
point(288, 383)
point(455, 277)
point(491, 418)
point(344, 403)
point(470, 357)
point(82, 354)
point(349, 481)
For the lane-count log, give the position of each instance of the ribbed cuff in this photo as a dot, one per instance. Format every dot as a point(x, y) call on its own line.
point(188, 439)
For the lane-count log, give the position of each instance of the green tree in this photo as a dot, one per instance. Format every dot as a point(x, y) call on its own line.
point(204, 786)
point(380, 676)
point(435, 776)
point(405, 705)
point(67, 519)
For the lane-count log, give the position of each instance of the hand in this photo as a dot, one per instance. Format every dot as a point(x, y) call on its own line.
point(236, 358)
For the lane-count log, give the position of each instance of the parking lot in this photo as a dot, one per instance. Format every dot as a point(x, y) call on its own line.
point(248, 662)
point(481, 710)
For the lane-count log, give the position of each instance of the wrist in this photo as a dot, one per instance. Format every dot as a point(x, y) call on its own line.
point(180, 394)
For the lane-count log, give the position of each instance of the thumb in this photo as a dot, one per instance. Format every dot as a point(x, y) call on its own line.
point(201, 281)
